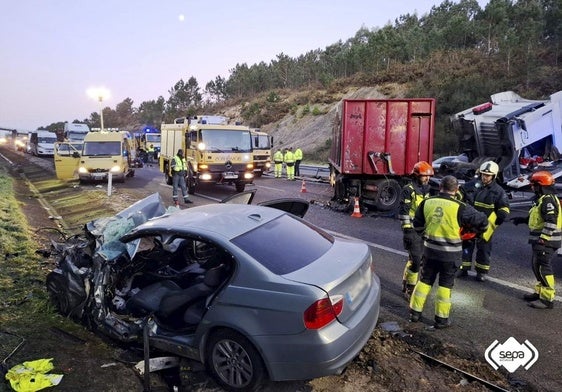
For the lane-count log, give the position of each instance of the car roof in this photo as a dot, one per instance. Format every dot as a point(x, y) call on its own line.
point(226, 220)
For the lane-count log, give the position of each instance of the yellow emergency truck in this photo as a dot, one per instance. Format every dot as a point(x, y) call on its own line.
point(262, 144)
point(100, 153)
point(216, 151)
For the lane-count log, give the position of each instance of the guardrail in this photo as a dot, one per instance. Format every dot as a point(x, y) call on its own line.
point(319, 172)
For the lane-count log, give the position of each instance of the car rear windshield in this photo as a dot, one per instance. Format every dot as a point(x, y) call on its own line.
point(285, 244)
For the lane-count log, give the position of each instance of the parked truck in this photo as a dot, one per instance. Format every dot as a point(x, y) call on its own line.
point(144, 138)
point(75, 132)
point(215, 151)
point(262, 143)
point(519, 134)
point(375, 144)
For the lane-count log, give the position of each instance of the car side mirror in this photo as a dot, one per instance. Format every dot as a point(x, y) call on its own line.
point(75, 154)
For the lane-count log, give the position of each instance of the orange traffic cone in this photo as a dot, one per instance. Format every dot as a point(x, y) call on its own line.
point(356, 209)
point(303, 186)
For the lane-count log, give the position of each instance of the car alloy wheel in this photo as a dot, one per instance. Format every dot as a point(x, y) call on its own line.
point(234, 362)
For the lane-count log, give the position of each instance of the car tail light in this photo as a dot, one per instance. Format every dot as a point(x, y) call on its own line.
point(323, 312)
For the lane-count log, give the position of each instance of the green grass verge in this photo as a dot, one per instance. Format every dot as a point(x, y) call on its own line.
point(24, 303)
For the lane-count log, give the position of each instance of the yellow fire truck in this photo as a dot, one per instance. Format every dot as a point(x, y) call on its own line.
point(215, 151)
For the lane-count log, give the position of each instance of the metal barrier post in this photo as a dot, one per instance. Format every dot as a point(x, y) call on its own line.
point(109, 183)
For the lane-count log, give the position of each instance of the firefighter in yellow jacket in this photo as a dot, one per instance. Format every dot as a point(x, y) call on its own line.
point(439, 219)
point(545, 237)
point(413, 193)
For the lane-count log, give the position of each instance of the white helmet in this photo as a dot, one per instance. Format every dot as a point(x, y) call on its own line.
point(489, 167)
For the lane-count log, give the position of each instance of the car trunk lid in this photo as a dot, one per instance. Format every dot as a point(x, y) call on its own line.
point(345, 270)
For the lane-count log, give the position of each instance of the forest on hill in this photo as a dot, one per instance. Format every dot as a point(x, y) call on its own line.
point(458, 53)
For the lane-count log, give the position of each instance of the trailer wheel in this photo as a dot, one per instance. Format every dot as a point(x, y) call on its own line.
point(168, 178)
point(388, 197)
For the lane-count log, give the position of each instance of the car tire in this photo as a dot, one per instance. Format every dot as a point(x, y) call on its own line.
point(234, 362)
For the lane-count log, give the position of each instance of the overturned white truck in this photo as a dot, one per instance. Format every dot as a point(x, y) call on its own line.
point(517, 133)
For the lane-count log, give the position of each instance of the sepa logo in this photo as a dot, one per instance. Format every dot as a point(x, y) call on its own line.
point(511, 354)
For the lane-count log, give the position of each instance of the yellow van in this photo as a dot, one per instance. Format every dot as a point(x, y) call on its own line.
point(101, 153)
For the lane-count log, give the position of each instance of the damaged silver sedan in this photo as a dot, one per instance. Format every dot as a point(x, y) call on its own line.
point(255, 293)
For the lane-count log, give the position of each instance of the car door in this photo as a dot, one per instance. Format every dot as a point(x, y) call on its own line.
point(67, 159)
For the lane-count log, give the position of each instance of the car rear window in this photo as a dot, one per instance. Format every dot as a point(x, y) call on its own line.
point(285, 244)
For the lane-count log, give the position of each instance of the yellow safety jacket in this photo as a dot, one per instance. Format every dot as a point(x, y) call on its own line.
point(289, 157)
point(179, 164)
point(545, 221)
point(278, 157)
point(440, 218)
point(411, 197)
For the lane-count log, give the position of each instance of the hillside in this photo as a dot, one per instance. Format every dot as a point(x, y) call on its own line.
point(304, 119)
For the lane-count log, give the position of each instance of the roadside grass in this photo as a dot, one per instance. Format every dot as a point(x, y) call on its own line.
point(24, 303)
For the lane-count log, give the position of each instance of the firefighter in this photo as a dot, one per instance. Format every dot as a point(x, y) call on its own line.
point(278, 161)
point(412, 195)
point(439, 219)
point(487, 196)
point(545, 237)
point(179, 172)
point(289, 160)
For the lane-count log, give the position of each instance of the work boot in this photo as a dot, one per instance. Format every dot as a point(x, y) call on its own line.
point(531, 297)
point(441, 323)
point(415, 316)
point(187, 201)
point(541, 304)
point(463, 273)
point(480, 277)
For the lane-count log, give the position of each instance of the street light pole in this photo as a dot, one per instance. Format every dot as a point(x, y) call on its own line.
point(99, 94)
point(100, 98)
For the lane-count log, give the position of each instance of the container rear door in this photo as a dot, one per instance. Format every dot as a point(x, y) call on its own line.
point(353, 130)
point(400, 133)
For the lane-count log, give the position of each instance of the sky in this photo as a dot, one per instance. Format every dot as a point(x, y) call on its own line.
point(53, 51)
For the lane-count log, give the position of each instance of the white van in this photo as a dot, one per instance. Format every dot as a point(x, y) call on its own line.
point(42, 143)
